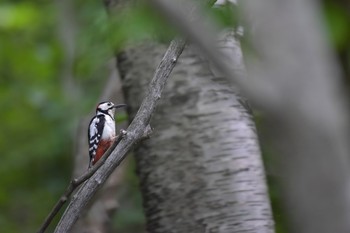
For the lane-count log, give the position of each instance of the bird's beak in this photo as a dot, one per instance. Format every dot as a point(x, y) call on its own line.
point(119, 106)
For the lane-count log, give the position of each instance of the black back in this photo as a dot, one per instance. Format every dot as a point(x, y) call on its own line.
point(94, 138)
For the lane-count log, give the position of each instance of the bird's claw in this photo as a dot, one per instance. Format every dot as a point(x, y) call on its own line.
point(123, 132)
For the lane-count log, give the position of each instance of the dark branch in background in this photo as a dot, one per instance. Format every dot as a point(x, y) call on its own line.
point(298, 85)
point(76, 182)
point(138, 129)
point(204, 35)
point(312, 129)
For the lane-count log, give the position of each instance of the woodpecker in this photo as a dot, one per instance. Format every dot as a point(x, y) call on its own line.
point(101, 132)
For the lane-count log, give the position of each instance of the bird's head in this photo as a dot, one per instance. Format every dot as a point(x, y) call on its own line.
point(108, 107)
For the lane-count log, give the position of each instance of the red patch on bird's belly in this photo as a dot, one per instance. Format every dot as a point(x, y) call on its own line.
point(102, 147)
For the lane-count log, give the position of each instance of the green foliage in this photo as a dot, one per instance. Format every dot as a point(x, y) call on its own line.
point(133, 25)
point(19, 16)
point(130, 218)
point(34, 156)
point(225, 15)
point(38, 114)
point(337, 18)
point(338, 21)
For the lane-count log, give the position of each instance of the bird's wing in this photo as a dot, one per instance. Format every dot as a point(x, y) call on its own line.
point(94, 134)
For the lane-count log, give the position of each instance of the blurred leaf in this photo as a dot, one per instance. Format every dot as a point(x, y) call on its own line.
point(338, 21)
point(18, 16)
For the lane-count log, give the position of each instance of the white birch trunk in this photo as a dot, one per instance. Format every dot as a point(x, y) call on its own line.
point(201, 171)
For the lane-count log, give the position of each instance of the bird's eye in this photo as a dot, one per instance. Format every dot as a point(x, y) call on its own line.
point(109, 104)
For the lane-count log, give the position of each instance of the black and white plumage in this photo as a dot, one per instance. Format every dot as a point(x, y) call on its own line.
point(101, 132)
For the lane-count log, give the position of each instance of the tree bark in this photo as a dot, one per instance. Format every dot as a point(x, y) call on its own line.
point(201, 171)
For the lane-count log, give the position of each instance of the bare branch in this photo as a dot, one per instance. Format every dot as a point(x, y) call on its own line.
point(92, 171)
point(136, 131)
point(74, 183)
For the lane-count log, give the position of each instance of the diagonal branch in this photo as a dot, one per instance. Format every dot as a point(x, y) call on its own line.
point(76, 182)
point(138, 129)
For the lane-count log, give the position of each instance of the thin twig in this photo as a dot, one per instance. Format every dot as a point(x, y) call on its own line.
point(74, 183)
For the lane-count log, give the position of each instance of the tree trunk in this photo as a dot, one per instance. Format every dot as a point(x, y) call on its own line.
point(201, 171)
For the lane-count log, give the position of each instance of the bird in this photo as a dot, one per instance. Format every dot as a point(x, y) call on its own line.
point(101, 131)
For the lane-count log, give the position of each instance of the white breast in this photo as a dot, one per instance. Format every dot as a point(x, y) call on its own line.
point(109, 129)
